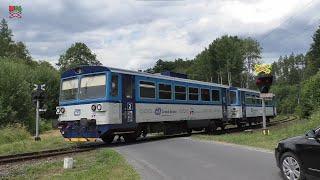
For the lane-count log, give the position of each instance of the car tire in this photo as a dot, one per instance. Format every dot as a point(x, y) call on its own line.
point(290, 163)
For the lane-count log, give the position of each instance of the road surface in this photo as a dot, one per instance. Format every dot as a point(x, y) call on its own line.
point(188, 158)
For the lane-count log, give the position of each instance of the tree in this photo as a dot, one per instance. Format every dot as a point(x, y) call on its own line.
point(226, 57)
point(252, 54)
point(9, 48)
point(19, 50)
point(78, 54)
point(313, 60)
point(5, 39)
point(310, 95)
point(178, 65)
point(223, 61)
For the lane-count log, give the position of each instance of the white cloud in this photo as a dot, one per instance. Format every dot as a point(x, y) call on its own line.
point(134, 34)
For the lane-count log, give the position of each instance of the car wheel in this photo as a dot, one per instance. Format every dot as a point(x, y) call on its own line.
point(290, 167)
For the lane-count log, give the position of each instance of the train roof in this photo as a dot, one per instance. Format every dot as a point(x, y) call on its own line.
point(93, 69)
point(248, 90)
point(164, 77)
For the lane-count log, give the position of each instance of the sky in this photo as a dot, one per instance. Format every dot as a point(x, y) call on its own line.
point(134, 34)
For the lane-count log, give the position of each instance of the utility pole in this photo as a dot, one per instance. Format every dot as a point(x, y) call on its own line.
point(264, 119)
point(37, 137)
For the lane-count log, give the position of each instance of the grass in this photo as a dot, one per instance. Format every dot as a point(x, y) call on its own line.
point(12, 134)
point(277, 133)
point(17, 140)
point(99, 164)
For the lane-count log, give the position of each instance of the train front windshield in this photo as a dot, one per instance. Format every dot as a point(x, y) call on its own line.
point(91, 87)
point(69, 90)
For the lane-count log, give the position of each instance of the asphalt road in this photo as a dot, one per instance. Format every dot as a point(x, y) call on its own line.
point(187, 158)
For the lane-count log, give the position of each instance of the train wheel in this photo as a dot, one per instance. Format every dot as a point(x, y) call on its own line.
point(130, 137)
point(108, 139)
point(189, 132)
point(211, 128)
point(144, 133)
point(240, 125)
point(250, 122)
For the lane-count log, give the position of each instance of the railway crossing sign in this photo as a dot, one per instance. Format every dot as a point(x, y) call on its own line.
point(264, 81)
point(267, 95)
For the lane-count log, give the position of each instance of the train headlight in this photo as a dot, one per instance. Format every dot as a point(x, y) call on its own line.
point(99, 107)
point(93, 107)
point(58, 111)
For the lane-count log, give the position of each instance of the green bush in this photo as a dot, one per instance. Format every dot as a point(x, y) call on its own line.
point(13, 133)
point(286, 98)
point(16, 85)
point(310, 95)
point(45, 125)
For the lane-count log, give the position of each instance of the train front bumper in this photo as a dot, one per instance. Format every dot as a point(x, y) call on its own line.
point(79, 131)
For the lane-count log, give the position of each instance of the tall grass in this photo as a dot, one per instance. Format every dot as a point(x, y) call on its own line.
point(12, 134)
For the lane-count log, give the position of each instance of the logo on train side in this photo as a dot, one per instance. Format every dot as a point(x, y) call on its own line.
point(77, 112)
point(157, 111)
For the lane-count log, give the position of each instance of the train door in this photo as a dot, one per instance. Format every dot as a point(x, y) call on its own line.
point(243, 104)
point(128, 101)
point(224, 101)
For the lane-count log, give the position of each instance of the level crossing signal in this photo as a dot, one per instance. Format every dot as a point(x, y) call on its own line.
point(38, 96)
point(264, 82)
point(38, 93)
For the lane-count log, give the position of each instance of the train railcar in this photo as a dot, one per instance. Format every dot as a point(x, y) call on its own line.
point(101, 102)
point(246, 107)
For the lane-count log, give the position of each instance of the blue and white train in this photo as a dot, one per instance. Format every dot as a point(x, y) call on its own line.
point(101, 102)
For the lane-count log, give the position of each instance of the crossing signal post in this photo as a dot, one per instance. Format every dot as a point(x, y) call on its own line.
point(38, 96)
point(264, 82)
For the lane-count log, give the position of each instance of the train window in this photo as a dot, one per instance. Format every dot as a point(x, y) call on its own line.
point(93, 87)
point(267, 102)
point(147, 89)
point(205, 95)
point(180, 93)
point(258, 101)
point(248, 100)
point(127, 86)
point(114, 84)
point(215, 95)
point(253, 99)
point(165, 91)
point(193, 94)
point(232, 97)
point(69, 89)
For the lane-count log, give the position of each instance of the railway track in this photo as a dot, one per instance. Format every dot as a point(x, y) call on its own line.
point(43, 154)
point(255, 126)
point(285, 120)
point(89, 147)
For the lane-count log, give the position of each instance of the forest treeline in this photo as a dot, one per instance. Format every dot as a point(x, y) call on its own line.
point(296, 77)
point(227, 60)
